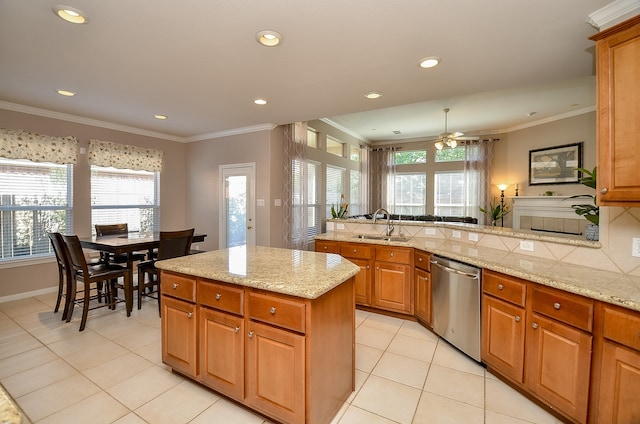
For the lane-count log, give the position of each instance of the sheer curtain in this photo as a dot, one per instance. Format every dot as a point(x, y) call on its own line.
point(365, 181)
point(295, 202)
point(382, 172)
point(478, 168)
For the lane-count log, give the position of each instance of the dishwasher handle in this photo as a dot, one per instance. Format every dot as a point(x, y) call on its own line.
point(455, 271)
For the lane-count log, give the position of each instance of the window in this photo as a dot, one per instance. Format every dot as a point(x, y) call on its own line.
point(354, 193)
point(335, 146)
point(354, 153)
point(449, 194)
point(410, 190)
point(312, 138)
point(334, 187)
point(312, 226)
point(410, 157)
point(35, 199)
point(123, 195)
point(451, 155)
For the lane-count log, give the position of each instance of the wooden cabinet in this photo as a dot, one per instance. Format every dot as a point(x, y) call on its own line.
point(619, 391)
point(422, 281)
point(326, 246)
point(618, 113)
point(393, 282)
point(558, 360)
point(503, 324)
point(179, 323)
point(361, 255)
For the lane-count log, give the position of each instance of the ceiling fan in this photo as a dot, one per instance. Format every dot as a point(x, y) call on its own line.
point(450, 139)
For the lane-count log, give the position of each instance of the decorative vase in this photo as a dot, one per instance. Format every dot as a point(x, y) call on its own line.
point(592, 232)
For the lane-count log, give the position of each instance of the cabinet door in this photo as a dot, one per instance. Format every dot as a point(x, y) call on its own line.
point(276, 372)
point(503, 330)
point(179, 335)
point(618, 125)
point(362, 282)
point(558, 365)
point(221, 347)
point(393, 288)
point(327, 246)
point(423, 295)
point(619, 399)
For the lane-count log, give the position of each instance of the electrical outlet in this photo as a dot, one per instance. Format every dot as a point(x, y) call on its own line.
point(635, 247)
point(473, 237)
point(430, 231)
point(456, 234)
point(340, 226)
point(526, 245)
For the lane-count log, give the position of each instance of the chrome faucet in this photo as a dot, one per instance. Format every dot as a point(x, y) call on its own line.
point(390, 226)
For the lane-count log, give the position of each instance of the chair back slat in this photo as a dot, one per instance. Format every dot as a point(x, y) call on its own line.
point(59, 249)
point(111, 229)
point(174, 243)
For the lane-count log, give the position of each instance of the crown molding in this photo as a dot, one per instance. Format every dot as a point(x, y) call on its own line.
point(344, 130)
point(234, 131)
point(547, 120)
point(613, 13)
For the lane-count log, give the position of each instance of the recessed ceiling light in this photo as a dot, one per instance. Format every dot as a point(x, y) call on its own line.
point(373, 95)
point(66, 93)
point(260, 102)
point(160, 117)
point(269, 38)
point(428, 62)
point(70, 14)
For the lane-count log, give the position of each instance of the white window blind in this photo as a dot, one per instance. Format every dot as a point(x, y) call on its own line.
point(449, 193)
point(35, 199)
point(125, 196)
point(354, 193)
point(334, 187)
point(410, 191)
point(306, 210)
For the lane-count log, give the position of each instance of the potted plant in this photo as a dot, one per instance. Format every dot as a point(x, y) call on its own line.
point(340, 211)
point(590, 211)
point(496, 212)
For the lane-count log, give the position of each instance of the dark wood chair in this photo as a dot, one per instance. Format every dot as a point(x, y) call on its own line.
point(172, 245)
point(64, 273)
point(101, 278)
point(114, 230)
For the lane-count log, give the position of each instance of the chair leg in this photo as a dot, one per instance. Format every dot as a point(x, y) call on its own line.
point(71, 299)
point(85, 306)
point(159, 295)
point(60, 288)
point(141, 275)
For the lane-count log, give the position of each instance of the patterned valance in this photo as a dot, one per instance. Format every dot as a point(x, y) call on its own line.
point(19, 144)
point(124, 156)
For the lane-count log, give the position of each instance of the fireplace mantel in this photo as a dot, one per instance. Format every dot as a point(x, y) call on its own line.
point(543, 206)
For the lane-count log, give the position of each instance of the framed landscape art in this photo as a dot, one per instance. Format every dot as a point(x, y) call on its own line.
point(555, 165)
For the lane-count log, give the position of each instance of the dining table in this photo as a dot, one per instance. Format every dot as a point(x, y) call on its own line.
point(128, 244)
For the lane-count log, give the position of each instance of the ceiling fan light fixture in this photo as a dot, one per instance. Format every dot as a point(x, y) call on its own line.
point(439, 145)
point(452, 143)
point(70, 14)
point(428, 62)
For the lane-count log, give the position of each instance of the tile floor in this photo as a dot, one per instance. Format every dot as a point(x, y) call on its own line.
point(112, 373)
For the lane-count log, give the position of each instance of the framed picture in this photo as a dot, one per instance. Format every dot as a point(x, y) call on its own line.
point(555, 165)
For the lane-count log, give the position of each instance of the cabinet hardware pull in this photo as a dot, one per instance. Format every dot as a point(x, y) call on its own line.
point(377, 268)
point(391, 254)
point(272, 310)
point(190, 314)
point(218, 296)
point(534, 325)
point(355, 250)
point(236, 329)
point(603, 190)
point(419, 259)
point(250, 334)
point(368, 267)
point(517, 318)
point(175, 285)
point(325, 247)
point(500, 287)
point(556, 306)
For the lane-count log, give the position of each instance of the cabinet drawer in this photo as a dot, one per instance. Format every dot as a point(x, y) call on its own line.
point(277, 311)
point(622, 326)
point(421, 260)
point(503, 287)
point(178, 286)
point(327, 246)
point(566, 307)
point(221, 297)
point(356, 251)
point(393, 254)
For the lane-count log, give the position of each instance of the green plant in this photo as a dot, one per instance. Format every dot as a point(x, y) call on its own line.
point(340, 211)
point(496, 212)
point(591, 212)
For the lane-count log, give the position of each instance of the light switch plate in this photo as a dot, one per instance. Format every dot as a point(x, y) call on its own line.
point(340, 226)
point(635, 247)
point(456, 234)
point(526, 245)
point(473, 236)
point(430, 231)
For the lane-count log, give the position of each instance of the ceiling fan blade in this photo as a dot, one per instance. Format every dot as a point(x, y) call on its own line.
point(456, 134)
point(468, 138)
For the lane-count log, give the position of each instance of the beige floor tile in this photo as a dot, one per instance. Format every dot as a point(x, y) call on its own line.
point(355, 415)
point(144, 386)
point(38, 377)
point(448, 356)
point(97, 409)
point(142, 336)
point(44, 320)
point(151, 352)
point(56, 397)
point(19, 344)
point(383, 322)
point(434, 409)
point(388, 399)
point(116, 370)
point(9, 330)
point(27, 360)
point(402, 369)
point(416, 348)
point(180, 404)
point(367, 357)
point(224, 411)
point(503, 399)
point(94, 355)
point(130, 418)
point(417, 331)
point(373, 337)
point(456, 385)
point(29, 305)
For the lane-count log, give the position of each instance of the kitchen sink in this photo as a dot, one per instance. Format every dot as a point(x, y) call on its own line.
point(385, 238)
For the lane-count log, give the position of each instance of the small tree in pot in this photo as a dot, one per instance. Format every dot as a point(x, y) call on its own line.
point(591, 212)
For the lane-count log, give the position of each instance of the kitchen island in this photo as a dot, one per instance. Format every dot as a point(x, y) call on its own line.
point(273, 329)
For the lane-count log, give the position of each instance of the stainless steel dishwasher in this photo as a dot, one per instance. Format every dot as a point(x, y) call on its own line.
point(456, 304)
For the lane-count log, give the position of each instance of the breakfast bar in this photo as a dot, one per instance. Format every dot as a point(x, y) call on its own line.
point(270, 328)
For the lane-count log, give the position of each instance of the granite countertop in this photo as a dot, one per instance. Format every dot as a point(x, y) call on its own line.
point(293, 272)
point(618, 289)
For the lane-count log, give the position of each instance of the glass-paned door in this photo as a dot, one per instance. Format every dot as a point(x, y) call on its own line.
point(237, 223)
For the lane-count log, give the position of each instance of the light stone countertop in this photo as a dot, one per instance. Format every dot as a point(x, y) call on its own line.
point(610, 287)
point(293, 272)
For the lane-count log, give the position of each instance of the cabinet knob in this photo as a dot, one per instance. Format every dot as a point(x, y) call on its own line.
point(419, 259)
point(517, 318)
point(190, 314)
point(250, 334)
point(604, 190)
point(534, 325)
point(325, 247)
point(500, 287)
point(377, 268)
point(368, 267)
point(175, 285)
point(272, 310)
point(355, 250)
point(218, 296)
point(236, 329)
point(391, 254)
point(556, 306)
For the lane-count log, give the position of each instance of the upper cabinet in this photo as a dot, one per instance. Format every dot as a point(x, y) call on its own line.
point(618, 117)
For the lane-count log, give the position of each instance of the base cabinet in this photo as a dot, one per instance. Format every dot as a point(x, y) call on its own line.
point(620, 385)
point(422, 281)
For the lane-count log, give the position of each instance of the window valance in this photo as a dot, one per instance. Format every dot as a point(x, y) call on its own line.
point(124, 156)
point(19, 144)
